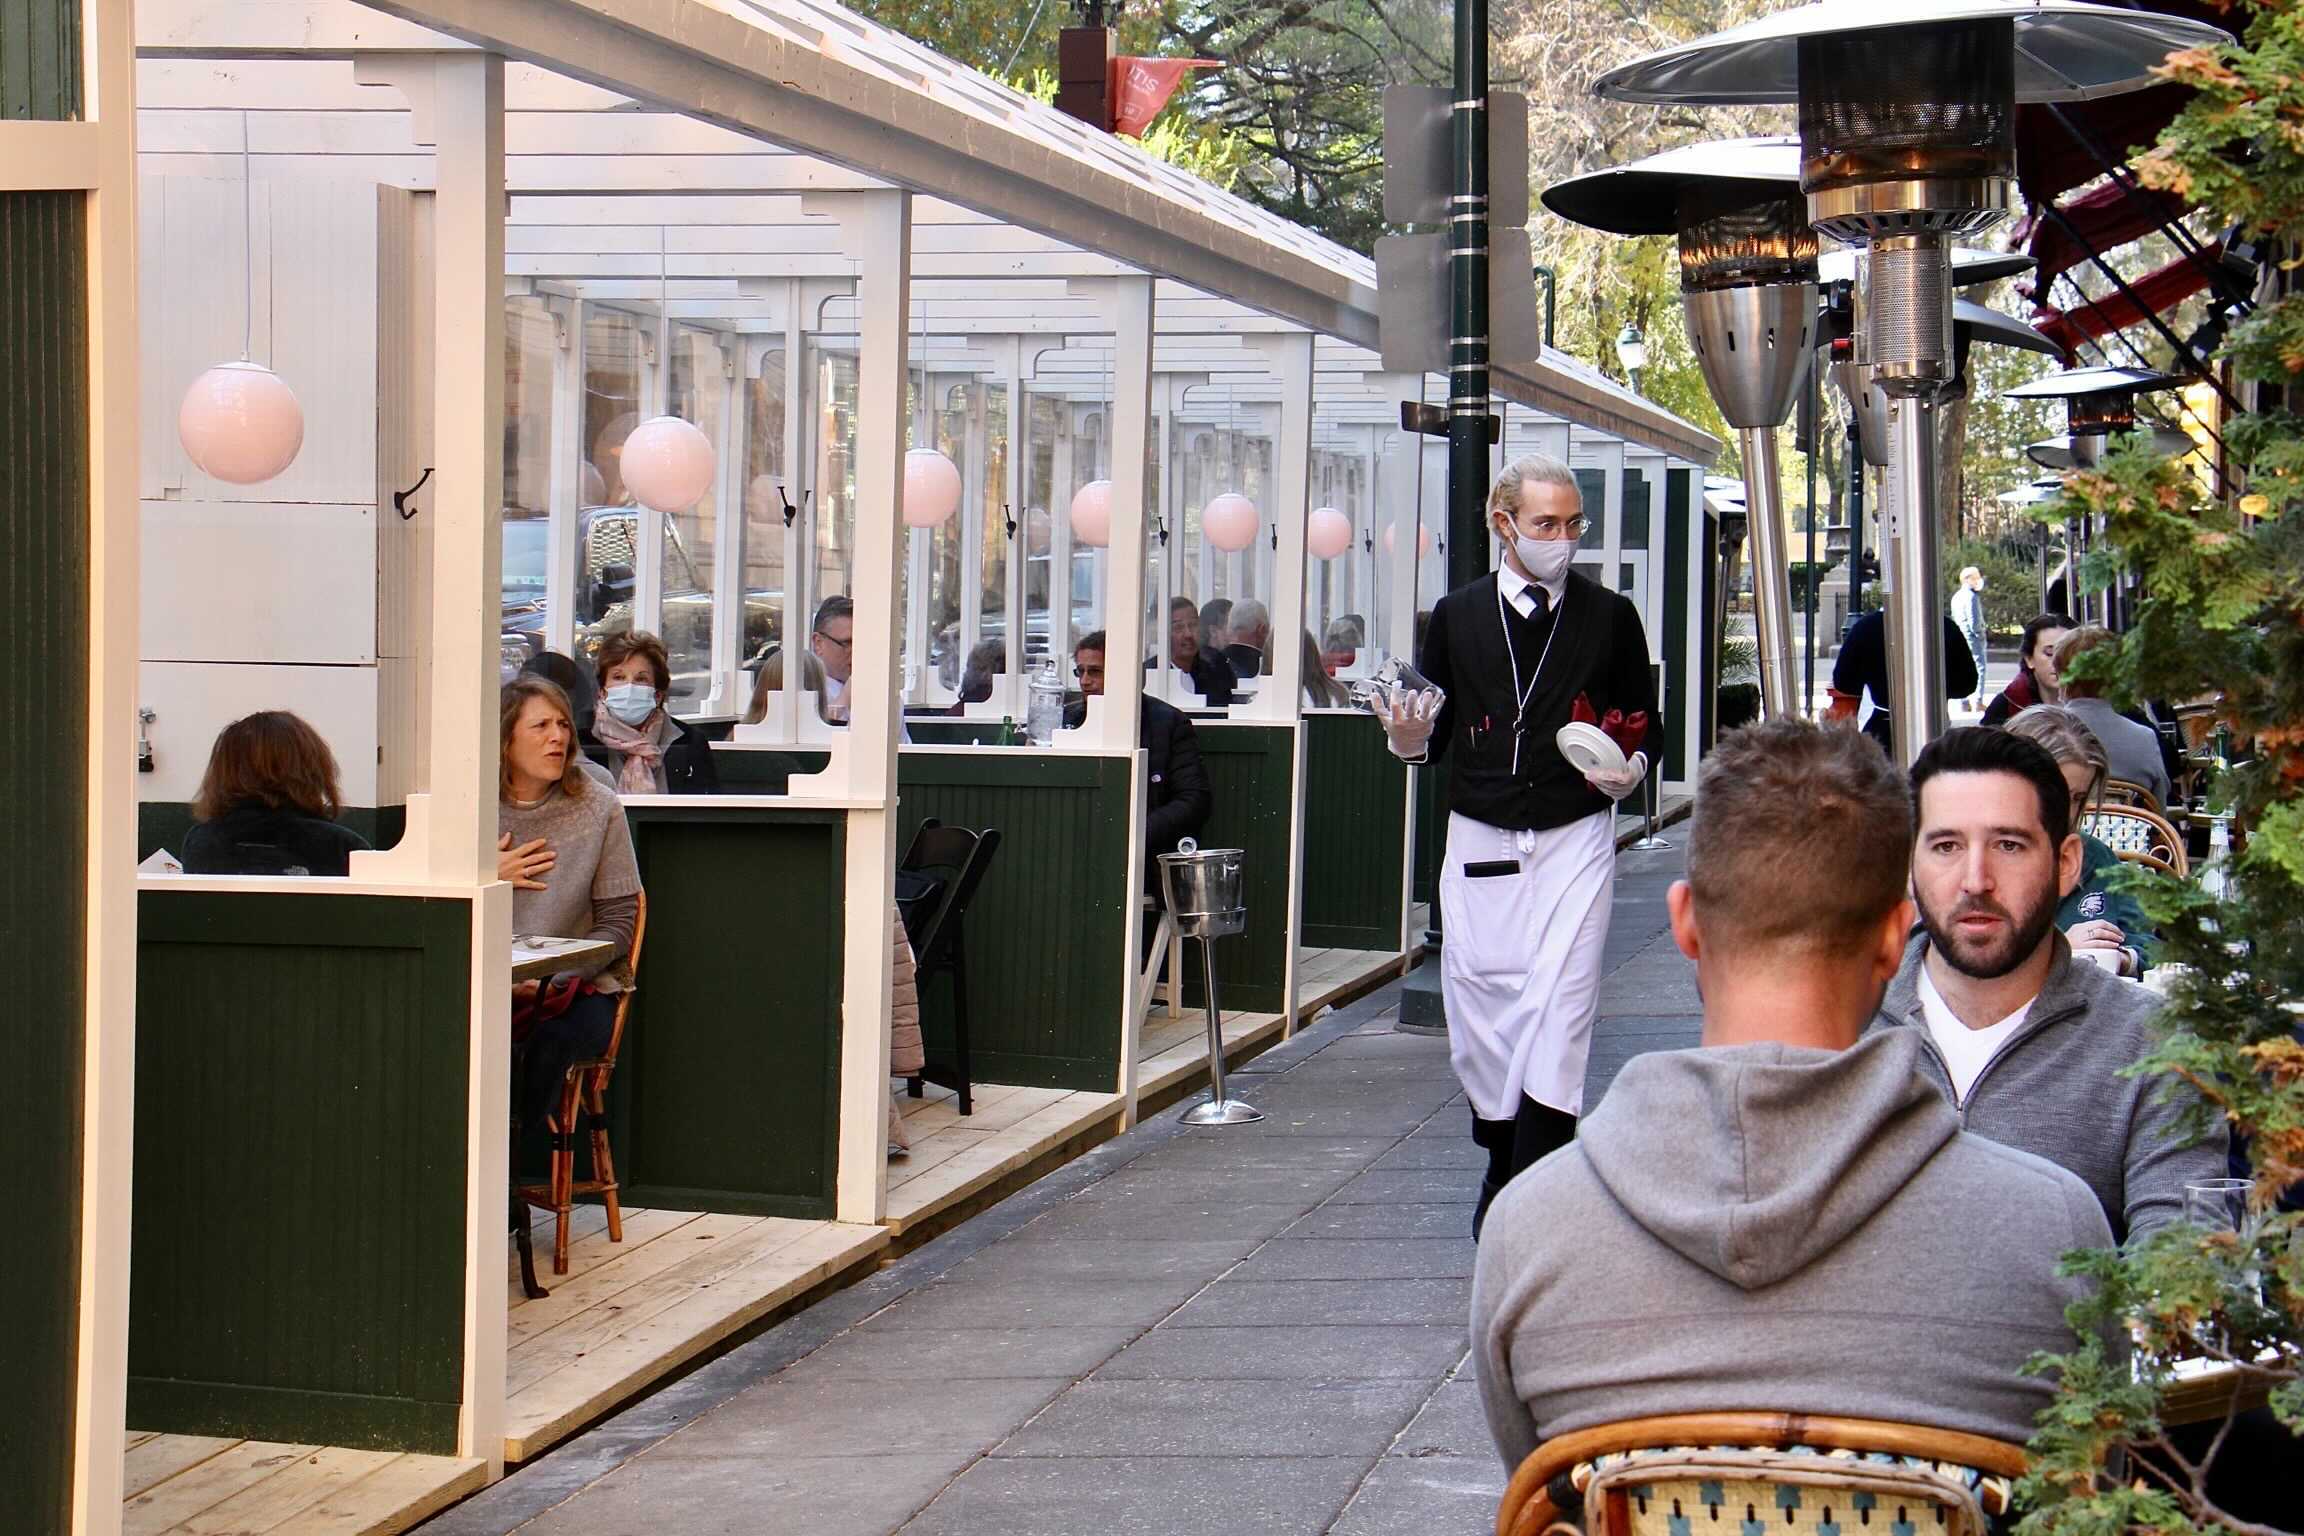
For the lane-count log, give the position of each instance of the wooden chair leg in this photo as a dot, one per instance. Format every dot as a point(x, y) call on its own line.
point(563, 1175)
point(603, 1161)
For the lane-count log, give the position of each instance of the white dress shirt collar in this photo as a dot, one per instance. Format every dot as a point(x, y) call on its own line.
point(1515, 588)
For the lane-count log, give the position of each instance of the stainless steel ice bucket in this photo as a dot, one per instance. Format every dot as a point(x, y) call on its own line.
point(1202, 886)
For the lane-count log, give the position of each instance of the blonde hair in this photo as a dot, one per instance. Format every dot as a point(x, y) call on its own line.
point(2065, 737)
point(771, 680)
point(1512, 482)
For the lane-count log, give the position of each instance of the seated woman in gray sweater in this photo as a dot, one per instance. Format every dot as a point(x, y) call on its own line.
point(565, 848)
point(1787, 1218)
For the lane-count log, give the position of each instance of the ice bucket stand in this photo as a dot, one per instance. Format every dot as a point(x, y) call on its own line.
point(1202, 889)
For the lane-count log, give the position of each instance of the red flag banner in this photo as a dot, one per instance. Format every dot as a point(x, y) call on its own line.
point(1142, 87)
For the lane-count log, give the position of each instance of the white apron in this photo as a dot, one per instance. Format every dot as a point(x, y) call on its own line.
point(1520, 958)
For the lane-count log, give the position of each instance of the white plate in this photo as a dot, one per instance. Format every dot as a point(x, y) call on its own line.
point(1589, 750)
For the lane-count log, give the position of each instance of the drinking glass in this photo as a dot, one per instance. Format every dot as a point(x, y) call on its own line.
point(2217, 1205)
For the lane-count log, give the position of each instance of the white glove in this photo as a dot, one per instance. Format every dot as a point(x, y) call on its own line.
point(1619, 784)
point(1408, 719)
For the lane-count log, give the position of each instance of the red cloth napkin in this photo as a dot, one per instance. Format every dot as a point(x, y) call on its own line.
point(1626, 731)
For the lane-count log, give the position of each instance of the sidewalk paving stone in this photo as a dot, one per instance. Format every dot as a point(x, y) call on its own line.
point(1265, 1303)
point(1366, 1258)
point(1144, 1496)
point(1219, 1418)
point(1290, 1351)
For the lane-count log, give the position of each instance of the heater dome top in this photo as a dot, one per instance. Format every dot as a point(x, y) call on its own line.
point(1643, 198)
point(2080, 383)
point(1970, 267)
point(2066, 50)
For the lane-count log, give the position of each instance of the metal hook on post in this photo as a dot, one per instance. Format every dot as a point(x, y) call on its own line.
point(400, 498)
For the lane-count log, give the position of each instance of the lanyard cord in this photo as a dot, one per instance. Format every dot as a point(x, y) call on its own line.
point(1521, 697)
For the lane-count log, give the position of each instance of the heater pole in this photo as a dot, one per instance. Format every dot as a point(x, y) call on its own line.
point(1915, 629)
point(1468, 299)
point(1771, 573)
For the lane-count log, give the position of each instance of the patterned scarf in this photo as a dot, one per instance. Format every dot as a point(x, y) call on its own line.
point(643, 770)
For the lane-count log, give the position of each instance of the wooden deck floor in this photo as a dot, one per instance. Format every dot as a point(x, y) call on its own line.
point(193, 1485)
point(629, 1313)
point(955, 1156)
point(1325, 975)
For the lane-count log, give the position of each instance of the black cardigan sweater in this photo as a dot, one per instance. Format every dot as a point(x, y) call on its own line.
point(1601, 652)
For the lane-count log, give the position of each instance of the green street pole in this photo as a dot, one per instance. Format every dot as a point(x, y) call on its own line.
point(1468, 299)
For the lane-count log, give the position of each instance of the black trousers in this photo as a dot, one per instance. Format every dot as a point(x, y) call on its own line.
point(556, 1045)
point(1526, 1139)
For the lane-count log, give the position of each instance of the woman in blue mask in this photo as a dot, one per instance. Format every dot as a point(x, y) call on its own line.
point(634, 734)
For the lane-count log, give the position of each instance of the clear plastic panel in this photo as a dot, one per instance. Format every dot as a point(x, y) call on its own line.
point(768, 502)
point(531, 350)
point(607, 529)
point(697, 392)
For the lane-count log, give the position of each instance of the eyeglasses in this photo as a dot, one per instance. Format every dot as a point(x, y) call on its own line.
point(845, 645)
point(1554, 528)
point(1086, 672)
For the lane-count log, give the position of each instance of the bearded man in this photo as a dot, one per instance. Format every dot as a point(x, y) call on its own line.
point(2027, 1043)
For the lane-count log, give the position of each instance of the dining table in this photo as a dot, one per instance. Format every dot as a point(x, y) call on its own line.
point(536, 956)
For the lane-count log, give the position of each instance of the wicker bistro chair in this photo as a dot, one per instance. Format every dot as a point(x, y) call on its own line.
point(2139, 836)
point(584, 1104)
point(2122, 793)
point(1728, 1474)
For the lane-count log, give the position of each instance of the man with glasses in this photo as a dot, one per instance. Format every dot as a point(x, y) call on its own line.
point(1530, 871)
point(1176, 785)
point(833, 638)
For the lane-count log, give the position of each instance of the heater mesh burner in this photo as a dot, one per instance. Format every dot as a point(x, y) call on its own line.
point(1727, 239)
point(1908, 129)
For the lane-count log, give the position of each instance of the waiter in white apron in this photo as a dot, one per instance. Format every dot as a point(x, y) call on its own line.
point(1530, 871)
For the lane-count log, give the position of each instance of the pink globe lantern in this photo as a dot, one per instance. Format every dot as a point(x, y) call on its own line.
point(241, 423)
point(931, 488)
point(668, 464)
point(1327, 533)
point(1092, 514)
point(1229, 521)
point(1423, 541)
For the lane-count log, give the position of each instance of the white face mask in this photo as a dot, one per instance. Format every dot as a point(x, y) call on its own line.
point(630, 702)
point(1546, 560)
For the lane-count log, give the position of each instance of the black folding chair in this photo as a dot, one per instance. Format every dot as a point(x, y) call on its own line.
point(939, 938)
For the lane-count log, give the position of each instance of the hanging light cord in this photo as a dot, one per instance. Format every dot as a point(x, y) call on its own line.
point(247, 244)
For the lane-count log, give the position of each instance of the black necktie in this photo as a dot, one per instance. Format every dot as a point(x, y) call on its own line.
point(1537, 604)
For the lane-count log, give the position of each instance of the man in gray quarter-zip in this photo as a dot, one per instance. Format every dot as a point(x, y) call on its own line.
point(2026, 1040)
point(1789, 1218)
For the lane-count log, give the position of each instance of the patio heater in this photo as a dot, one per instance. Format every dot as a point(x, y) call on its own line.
point(2099, 405)
point(1907, 141)
point(1748, 289)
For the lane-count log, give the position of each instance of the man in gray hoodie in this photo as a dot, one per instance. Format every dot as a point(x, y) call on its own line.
point(2027, 1042)
point(1787, 1218)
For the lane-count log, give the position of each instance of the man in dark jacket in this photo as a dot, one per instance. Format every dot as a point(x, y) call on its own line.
point(1863, 664)
point(1205, 673)
point(2028, 1044)
point(1175, 782)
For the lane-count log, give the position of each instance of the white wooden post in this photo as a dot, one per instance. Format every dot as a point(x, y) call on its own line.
point(1112, 720)
point(564, 477)
point(877, 228)
point(1280, 694)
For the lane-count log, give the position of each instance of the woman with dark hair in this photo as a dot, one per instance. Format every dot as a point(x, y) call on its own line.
point(1320, 690)
point(568, 854)
point(267, 804)
point(633, 732)
point(2035, 681)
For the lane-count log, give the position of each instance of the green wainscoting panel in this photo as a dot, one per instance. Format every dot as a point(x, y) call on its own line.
point(1355, 834)
point(1252, 770)
point(40, 66)
point(1431, 833)
point(727, 1092)
point(1047, 932)
point(43, 824)
point(301, 1086)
